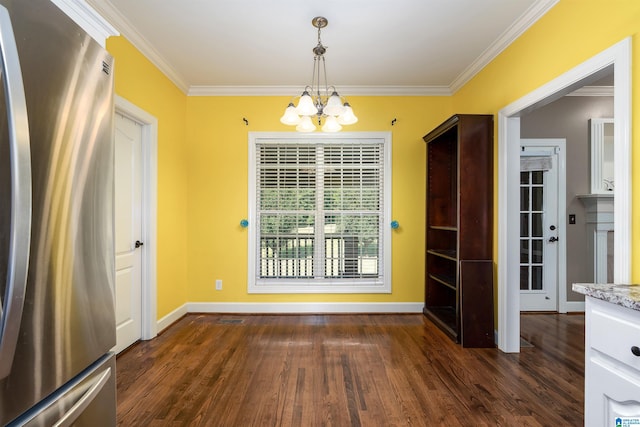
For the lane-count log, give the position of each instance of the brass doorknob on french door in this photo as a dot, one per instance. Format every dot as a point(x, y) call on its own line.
point(138, 244)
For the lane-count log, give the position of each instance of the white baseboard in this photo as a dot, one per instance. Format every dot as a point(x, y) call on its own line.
point(288, 308)
point(575, 306)
point(172, 317)
point(305, 307)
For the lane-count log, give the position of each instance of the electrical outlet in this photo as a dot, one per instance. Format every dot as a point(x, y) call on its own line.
point(218, 285)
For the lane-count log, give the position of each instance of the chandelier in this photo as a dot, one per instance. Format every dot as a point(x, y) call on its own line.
point(319, 102)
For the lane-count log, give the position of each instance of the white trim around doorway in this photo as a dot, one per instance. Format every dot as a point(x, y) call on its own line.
point(618, 56)
point(149, 212)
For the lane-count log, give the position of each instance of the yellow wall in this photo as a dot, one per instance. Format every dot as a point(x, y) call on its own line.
point(141, 83)
point(203, 148)
point(569, 34)
point(218, 174)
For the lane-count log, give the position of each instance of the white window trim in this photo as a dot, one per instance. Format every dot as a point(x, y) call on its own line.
point(338, 286)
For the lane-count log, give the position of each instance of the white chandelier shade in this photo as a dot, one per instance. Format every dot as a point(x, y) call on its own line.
point(331, 125)
point(305, 125)
point(334, 105)
point(305, 105)
point(347, 117)
point(290, 116)
point(319, 102)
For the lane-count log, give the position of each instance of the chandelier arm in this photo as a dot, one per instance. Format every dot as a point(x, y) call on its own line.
point(319, 102)
point(327, 94)
point(317, 80)
point(313, 75)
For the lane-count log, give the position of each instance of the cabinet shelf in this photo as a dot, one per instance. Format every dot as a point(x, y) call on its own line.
point(443, 228)
point(459, 234)
point(444, 318)
point(448, 281)
point(447, 254)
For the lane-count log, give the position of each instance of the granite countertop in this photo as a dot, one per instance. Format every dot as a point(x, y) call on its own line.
point(624, 295)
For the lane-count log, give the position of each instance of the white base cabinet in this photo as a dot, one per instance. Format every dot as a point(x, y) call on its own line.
point(612, 365)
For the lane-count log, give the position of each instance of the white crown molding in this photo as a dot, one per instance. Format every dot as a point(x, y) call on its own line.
point(88, 19)
point(119, 21)
point(244, 90)
point(535, 12)
point(122, 24)
point(296, 90)
point(593, 91)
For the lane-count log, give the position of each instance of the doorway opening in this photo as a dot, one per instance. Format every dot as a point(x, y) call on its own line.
point(618, 58)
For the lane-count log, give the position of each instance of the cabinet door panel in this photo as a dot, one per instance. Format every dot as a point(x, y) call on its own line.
point(611, 394)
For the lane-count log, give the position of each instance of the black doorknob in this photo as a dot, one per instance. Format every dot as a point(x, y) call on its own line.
point(138, 244)
point(635, 350)
point(553, 239)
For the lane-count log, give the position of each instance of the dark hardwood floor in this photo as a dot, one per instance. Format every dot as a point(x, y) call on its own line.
point(349, 370)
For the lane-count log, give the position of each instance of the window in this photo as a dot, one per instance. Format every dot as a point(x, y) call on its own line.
point(319, 213)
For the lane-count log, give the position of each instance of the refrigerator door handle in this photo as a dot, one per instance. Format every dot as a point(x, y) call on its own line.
point(82, 403)
point(20, 162)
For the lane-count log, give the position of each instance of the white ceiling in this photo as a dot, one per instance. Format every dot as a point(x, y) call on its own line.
point(400, 47)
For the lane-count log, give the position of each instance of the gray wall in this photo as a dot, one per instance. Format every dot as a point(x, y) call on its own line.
point(568, 118)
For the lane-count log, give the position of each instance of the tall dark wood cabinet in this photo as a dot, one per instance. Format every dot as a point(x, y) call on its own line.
point(459, 229)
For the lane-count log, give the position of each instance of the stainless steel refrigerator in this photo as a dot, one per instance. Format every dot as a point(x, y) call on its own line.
point(57, 321)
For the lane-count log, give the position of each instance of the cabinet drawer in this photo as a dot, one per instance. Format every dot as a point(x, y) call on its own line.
point(614, 336)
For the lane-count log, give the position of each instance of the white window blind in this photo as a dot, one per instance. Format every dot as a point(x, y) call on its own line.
point(319, 215)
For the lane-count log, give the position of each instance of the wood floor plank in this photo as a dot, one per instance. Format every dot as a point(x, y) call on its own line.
point(349, 370)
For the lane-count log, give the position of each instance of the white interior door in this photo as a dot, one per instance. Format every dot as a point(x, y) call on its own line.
point(540, 227)
point(128, 231)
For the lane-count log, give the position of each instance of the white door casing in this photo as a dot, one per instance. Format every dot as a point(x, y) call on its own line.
point(128, 231)
point(544, 249)
point(618, 56)
point(148, 214)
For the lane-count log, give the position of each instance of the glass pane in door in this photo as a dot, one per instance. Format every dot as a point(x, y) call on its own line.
point(531, 230)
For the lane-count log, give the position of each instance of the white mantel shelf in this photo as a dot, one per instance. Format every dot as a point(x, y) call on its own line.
point(597, 200)
point(599, 207)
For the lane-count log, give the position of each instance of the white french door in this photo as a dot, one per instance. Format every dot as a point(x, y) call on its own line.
point(541, 226)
